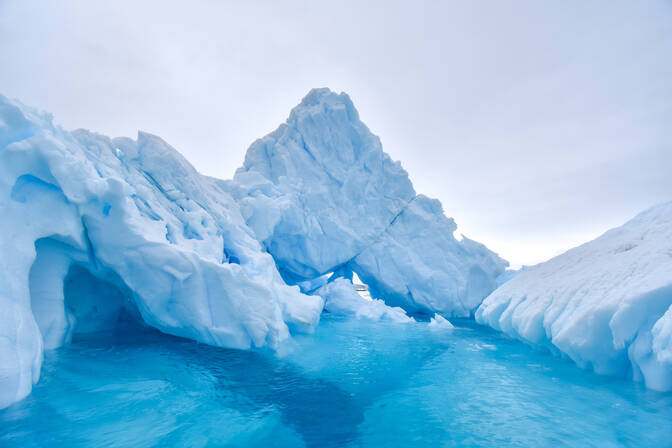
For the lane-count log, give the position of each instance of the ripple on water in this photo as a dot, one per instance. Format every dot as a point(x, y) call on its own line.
point(350, 384)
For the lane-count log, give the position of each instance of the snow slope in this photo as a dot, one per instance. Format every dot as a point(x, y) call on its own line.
point(606, 304)
point(322, 196)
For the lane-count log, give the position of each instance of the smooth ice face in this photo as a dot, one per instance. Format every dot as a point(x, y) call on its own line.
point(322, 196)
point(95, 230)
point(606, 304)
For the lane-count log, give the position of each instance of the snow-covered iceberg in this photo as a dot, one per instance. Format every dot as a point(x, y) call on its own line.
point(607, 304)
point(95, 228)
point(322, 196)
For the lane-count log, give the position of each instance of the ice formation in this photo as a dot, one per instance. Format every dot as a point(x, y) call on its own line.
point(508, 275)
point(96, 231)
point(438, 322)
point(322, 196)
point(606, 304)
point(96, 228)
point(341, 298)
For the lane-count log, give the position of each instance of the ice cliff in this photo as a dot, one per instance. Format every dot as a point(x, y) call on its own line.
point(607, 304)
point(97, 231)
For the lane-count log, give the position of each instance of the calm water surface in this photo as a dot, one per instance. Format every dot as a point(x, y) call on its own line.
point(353, 383)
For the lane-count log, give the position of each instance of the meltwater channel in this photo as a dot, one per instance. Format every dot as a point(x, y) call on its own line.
point(352, 383)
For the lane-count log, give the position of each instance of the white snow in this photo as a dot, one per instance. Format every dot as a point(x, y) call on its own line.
point(606, 304)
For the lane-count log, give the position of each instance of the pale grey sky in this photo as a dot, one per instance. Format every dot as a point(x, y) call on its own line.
point(538, 124)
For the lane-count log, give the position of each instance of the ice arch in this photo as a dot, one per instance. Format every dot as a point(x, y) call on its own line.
point(133, 219)
point(68, 295)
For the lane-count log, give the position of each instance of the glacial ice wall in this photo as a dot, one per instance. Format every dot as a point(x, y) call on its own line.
point(132, 224)
point(606, 304)
point(322, 196)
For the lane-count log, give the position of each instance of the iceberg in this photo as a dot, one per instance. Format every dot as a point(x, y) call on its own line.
point(97, 229)
point(323, 197)
point(607, 304)
point(508, 275)
point(98, 232)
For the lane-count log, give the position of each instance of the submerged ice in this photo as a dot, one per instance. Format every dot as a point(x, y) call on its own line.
point(96, 231)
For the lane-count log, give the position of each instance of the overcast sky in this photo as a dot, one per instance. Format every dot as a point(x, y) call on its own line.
point(539, 125)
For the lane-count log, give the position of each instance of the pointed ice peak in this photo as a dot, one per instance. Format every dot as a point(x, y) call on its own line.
point(323, 95)
point(324, 101)
point(321, 194)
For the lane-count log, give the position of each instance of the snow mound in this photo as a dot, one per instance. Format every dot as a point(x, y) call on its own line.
point(342, 299)
point(322, 196)
point(97, 230)
point(606, 304)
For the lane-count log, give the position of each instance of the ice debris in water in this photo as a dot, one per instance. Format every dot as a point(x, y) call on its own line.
point(439, 322)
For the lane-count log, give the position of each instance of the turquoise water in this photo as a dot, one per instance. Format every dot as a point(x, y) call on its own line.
point(353, 383)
